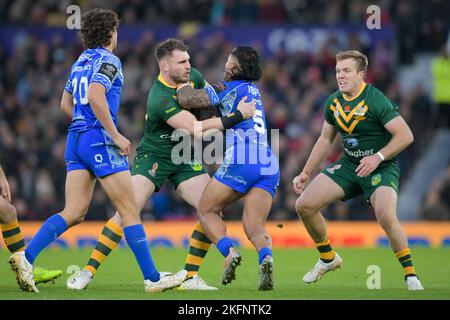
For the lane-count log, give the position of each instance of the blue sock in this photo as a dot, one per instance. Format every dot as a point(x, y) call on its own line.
point(264, 252)
point(224, 245)
point(52, 228)
point(137, 241)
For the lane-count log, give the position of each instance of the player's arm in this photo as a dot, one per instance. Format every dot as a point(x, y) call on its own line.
point(185, 120)
point(190, 98)
point(323, 146)
point(4, 186)
point(99, 105)
point(67, 103)
point(401, 138)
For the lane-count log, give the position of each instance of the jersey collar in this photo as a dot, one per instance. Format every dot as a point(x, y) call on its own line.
point(363, 86)
point(160, 79)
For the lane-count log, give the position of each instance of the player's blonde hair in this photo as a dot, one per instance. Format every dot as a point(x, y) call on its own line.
point(360, 58)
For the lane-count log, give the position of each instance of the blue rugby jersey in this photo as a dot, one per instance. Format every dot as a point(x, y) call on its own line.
point(94, 65)
point(252, 130)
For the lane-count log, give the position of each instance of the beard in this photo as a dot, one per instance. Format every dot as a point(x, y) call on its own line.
point(180, 78)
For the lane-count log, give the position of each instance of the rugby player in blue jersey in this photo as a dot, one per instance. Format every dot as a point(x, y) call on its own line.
point(95, 150)
point(250, 170)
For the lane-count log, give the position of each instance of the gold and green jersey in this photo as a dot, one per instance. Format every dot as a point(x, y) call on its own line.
point(361, 121)
point(161, 105)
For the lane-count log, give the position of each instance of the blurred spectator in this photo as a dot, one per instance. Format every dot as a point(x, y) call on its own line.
point(294, 88)
point(437, 201)
point(441, 95)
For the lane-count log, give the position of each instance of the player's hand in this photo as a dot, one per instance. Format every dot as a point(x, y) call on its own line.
point(299, 182)
point(367, 165)
point(4, 186)
point(246, 108)
point(123, 143)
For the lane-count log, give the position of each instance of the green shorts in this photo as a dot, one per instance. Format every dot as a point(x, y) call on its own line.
point(158, 169)
point(343, 173)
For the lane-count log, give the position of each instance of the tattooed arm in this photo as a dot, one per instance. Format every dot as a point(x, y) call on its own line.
point(190, 98)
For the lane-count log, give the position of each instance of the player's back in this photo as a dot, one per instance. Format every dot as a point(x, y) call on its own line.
point(247, 142)
point(252, 130)
point(248, 161)
point(94, 65)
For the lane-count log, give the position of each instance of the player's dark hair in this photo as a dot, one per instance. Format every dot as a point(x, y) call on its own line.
point(96, 27)
point(249, 64)
point(166, 47)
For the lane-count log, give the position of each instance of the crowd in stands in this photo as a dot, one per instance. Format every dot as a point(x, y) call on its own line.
point(294, 88)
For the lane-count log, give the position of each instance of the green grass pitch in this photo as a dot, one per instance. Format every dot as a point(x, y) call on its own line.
point(120, 278)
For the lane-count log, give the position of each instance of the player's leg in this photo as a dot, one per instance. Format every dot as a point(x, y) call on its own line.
point(384, 202)
point(112, 232)
point(12, 235)
point(216, 197)
point(144, 182)
point(111, 235)
point(321, 192)
point(79, 188)
point(13, 238)
point(257, 204)
point(119, 190)
point(191, 191)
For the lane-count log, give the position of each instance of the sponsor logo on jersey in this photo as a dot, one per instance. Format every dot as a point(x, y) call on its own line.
point(376, 179)
point(352, 143)
point(81, 68)
point(170, 110)
point(358, 153)
point(360, 111)
point(237, 179)
point(152, 172)
point(98, 158)
point(334, 168)
point(174, 136)
point(359, 118)
point(196, 166)
point(109, 70)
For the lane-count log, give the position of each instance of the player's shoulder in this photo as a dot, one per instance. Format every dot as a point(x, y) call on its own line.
point(101, 55)
point(158, 96)
point(195, 74)
point(376, 98)
point(335, 95)
point(374, 92)
point(238, 85)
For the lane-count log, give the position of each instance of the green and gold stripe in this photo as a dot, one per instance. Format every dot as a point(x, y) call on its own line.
point(13, 237)
point(107, 241)
point(198, 248)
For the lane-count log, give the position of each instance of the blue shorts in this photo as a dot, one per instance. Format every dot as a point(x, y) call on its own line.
point(95, 151)
point(243, 177)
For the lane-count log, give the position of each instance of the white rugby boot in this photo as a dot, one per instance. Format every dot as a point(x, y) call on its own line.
point(166, 281)
point(80, 281)
point(196, 283)
point(413, 283)
point(321, 268)
point(24, 271)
